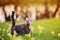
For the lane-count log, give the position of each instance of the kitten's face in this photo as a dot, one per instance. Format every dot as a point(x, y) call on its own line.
point(29, 20)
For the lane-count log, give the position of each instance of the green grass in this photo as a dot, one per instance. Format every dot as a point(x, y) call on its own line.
point(47, 29)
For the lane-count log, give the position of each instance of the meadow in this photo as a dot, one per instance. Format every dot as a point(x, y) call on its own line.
point(46, 29)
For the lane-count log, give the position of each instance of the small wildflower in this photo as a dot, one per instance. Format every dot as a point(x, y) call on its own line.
point(39, 27)
point(52, 32)
point(58, 34)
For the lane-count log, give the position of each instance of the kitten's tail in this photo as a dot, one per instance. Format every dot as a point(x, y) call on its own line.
point(12, 19)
